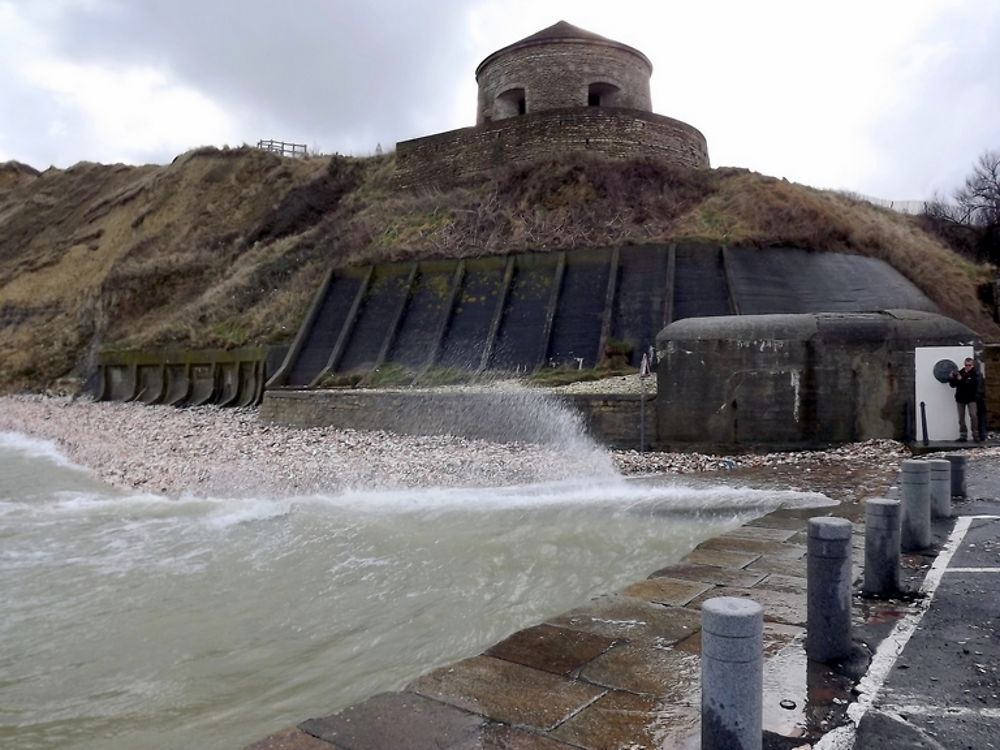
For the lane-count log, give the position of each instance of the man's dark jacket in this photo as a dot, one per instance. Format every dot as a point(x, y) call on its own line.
point(966, 385)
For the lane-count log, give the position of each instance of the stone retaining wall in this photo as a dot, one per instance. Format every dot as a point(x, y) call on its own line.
point(615, 132)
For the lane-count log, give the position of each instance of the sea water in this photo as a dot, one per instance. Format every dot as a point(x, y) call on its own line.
point(135, 620)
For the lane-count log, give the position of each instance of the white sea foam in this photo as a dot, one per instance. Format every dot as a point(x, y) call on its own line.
point(229, 513)
point(37, 448)
point(615, 493)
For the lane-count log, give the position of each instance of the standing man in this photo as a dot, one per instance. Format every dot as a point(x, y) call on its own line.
point(966, 385)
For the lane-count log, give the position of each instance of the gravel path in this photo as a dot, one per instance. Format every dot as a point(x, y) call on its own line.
point(209, 451)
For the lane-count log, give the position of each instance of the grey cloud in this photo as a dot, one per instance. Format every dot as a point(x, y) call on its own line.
point(930, 140)
point(342, 74)
point(39, 129)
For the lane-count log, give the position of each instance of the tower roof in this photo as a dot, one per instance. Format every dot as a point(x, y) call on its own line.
point(562, 31)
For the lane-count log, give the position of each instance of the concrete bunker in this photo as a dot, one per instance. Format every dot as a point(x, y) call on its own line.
point(798, 380)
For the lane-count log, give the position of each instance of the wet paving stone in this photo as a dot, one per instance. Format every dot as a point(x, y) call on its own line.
point(710, 574)
point(668, 591)
point(780, 582)
point(800, 695)
point(758, 546)
point(779, 606)
point(403, 721)
point(647, 667)
point(502, 737)
point(777, 636)
point(770, 535)
point(793, 520)
point(506, 692)
point(720, 558)
point(857, 538)
point(625, 617)
point(623, 720)
point(551, 649)
point(766, 564)
point(291, 739)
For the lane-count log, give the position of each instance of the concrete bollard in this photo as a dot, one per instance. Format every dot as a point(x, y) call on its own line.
point(957, 475)
point(732, 674)
point(882, 530)
point(828, 589)
point(940, 485)
point(916, 490)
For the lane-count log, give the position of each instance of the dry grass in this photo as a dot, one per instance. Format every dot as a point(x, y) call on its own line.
point(574, 201)
point(750, 209)
point(226, 247)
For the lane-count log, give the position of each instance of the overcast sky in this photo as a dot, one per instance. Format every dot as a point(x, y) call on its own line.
point(892, 99)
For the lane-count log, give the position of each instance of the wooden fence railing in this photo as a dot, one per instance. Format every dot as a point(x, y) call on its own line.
point(296, 150)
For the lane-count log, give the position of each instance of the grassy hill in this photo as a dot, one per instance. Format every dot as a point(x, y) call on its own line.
point(223, 248)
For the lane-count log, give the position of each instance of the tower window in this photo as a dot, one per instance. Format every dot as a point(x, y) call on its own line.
point(602, 95)
point(510, 103)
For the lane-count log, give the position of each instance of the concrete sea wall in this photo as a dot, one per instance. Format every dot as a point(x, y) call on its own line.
point(185, 378)
point(613, 420)
point(518, 313)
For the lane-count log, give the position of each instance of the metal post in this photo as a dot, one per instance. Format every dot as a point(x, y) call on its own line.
point(940, 485)
point(882, 530)
point(732, 674)
point(923, 421)
point(958, 488)
point(642, 417)
point(645, 370)
point(828, 589)
point(916, 532)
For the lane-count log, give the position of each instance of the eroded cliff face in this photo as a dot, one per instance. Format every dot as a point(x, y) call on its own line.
point(225, 248)
point(200, 252)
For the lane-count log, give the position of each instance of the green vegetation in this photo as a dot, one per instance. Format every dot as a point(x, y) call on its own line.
point(444, 376)
point(388, 375)
point(339, 380)
point(551, 377)
point(226, 248)
point(616, 355)
point(614, 361)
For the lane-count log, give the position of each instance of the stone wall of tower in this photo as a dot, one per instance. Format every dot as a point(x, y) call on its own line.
point(557, 74)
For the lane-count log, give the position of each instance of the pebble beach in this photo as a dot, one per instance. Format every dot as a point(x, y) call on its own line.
point(212, 451)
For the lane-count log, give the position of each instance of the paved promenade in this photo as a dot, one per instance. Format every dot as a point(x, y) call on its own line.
point(623, 671)
point(943, 689)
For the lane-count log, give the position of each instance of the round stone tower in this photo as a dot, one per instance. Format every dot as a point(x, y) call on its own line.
point(561, 67)
point(562, 90)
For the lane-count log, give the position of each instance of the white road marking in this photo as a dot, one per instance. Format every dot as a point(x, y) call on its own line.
point(973, 570)
point(943, 711)
point(889, 650)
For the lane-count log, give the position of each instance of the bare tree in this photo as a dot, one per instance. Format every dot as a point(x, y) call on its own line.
point(970, 221)
point(979, 199)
